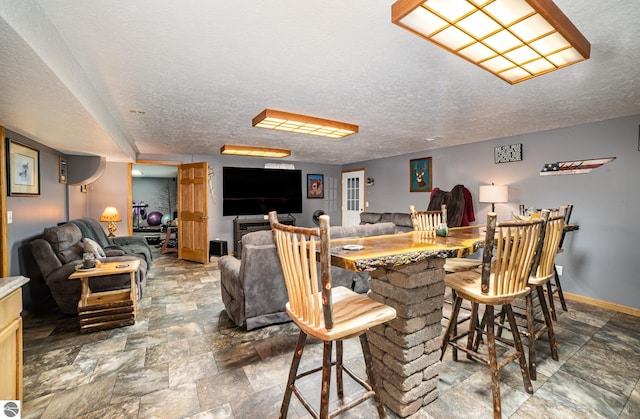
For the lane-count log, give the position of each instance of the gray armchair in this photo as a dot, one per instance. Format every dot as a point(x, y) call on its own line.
point(253, 289)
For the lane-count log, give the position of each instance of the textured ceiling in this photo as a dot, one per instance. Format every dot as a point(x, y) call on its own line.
point(201, 70)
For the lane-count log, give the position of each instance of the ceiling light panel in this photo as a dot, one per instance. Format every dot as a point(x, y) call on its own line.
point(514, 39)
point(302, 124)
point(242, 150)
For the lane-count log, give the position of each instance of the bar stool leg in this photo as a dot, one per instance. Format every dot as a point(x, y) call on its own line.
point(518, 344)
point(531, 336)
point(559, 288)
point(293, 371)
point(473, 324)
point(547, 319)
point(493, 363)
point(368, 363)
point(339, 386)
point(453, 319)
point(552, 306)
point(325, 391)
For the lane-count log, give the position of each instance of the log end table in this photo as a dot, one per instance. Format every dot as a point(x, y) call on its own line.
point(107, 309)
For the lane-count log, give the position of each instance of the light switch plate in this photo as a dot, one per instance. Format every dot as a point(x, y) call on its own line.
point(9, 217)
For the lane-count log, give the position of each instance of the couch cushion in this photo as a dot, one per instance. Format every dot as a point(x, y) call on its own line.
point(386, 217)
point(65, 242)
point(370, 217)
point(402, 220)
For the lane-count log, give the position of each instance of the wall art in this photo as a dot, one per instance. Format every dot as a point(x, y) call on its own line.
point(420, 175)
point(23, 170)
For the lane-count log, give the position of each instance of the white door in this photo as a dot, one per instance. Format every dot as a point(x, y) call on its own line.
point(352, 196)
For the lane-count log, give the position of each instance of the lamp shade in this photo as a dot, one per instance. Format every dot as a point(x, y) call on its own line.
point(110, 214)
point(494, 193)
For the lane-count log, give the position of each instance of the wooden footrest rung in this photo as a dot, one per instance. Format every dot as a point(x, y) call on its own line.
point(106, 325)
point(106, 318)
point(106, 300)
point(106, 311)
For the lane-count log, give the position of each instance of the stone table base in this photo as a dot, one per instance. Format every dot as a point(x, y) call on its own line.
point(406, 350)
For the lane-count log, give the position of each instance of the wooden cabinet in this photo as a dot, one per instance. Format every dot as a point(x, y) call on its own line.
point(11, 339)
point(242, 226)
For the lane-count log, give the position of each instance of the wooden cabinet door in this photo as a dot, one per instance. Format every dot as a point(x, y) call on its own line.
point(11, 347)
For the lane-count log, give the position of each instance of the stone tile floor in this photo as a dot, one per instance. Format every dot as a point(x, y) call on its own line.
point(185, 359)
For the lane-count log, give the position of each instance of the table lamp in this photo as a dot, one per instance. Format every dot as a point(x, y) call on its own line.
point(494, 193)
point(110, 215)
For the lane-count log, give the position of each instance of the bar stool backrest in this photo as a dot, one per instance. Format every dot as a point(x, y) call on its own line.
point(427, 220)
point(553, 234)
point(506, 270)
point(297, 250)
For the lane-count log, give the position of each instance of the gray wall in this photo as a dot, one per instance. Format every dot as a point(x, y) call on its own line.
point(32, 214)
point(601, 260)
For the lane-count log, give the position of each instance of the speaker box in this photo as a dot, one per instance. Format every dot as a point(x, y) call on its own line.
point(218, 248)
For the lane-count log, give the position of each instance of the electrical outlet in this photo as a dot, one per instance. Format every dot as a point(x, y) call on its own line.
point(559, 270)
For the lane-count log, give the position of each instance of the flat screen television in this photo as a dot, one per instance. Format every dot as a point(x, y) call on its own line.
point(256, 191)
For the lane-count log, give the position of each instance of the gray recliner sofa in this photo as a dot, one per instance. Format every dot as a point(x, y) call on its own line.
point(253, 288)
point(135, 245)
point(58, 252)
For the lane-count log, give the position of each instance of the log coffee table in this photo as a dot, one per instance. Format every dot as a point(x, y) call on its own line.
point(107, 309)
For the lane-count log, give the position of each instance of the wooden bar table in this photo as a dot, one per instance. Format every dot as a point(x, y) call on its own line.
point(407, 273)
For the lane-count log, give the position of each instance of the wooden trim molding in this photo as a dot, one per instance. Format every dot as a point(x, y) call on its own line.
point(129, 200)
point(603, 304)
point(4, 240)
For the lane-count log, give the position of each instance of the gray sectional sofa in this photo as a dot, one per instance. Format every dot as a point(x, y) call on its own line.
point(253, 289)
point(401, 220)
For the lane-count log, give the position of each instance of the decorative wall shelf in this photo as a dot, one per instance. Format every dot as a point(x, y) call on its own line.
point(573, 167)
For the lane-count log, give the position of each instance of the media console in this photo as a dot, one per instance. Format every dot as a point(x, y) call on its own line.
point(242, 226)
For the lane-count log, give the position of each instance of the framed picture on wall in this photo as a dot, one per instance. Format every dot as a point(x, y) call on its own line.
point(23, 170)
point(315, 186)
point(420, 175)
point(62, 170)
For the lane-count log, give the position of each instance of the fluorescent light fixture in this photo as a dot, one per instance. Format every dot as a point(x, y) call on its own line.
point(513, 39)
point(241, 150)
point(302, 124)
point(136, 172)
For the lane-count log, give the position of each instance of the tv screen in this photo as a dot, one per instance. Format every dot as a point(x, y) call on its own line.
point(253, 191)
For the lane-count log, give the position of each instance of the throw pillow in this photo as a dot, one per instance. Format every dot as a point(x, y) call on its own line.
point(90, 246)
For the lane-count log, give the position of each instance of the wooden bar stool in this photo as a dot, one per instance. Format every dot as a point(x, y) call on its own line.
point(326, 313)
point(556, 287)
point(500, 281)
point(543, 272)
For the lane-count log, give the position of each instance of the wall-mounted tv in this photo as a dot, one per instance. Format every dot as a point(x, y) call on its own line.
point(256, 191)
